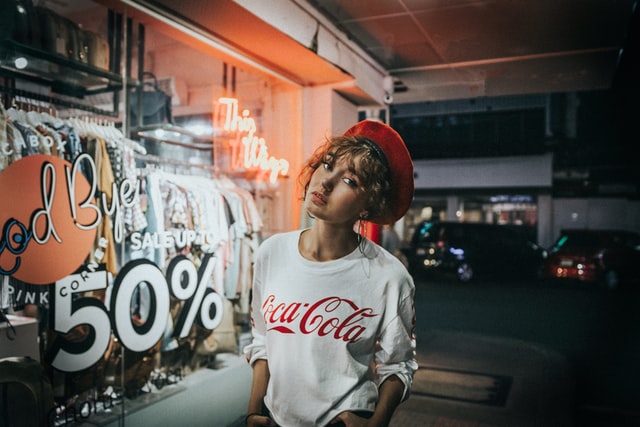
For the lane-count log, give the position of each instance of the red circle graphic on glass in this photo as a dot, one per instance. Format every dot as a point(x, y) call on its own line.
point(49, 219)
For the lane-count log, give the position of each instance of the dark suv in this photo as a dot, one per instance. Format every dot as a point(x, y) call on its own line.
point(468, 250)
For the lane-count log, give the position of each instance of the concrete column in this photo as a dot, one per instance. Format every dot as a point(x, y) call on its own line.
point(453, 204)
point(545, 220)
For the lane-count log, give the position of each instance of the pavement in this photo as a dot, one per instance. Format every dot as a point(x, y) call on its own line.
point(470, 380)
point(464, 380)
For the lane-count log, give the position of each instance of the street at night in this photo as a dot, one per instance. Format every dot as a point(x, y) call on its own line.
point(595, 330)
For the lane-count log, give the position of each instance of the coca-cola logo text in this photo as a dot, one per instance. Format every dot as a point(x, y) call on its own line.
point(331, 316)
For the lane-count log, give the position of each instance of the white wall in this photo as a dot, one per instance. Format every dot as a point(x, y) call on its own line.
point(595, 213)
point(282, 121)
point(344, 114)
point(505, 172)
point(317, 117)
point(325, 113)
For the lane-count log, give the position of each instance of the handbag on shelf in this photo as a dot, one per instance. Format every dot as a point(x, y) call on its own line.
point(156, 104)
point(59, 35)
point(16, 21)
point(97, 49)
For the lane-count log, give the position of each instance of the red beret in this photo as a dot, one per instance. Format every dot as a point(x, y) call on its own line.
point(390, 143)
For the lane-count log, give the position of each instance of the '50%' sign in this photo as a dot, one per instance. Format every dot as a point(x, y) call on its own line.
point(202, 305)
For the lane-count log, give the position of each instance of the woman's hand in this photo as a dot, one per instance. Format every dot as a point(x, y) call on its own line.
point(255, 420)
point(349, 419)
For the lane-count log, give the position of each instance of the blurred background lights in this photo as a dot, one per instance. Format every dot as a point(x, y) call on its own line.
point(21, 63)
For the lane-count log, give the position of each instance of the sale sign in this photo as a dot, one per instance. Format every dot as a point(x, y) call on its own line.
point(72, 309)
point(49, 218)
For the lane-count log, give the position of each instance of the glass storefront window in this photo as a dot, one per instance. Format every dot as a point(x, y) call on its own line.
point(140, 171)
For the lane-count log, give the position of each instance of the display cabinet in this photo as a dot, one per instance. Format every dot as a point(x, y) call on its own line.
point(79, 69)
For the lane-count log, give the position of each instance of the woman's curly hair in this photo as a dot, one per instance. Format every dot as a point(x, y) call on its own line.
point(370, 169)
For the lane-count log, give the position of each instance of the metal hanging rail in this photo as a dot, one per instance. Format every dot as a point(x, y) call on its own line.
point(171, 161)
point(12, 92)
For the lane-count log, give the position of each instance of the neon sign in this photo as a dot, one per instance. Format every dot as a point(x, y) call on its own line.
point(248, 150)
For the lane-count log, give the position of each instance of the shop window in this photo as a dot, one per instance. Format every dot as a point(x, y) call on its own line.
point(132, 227)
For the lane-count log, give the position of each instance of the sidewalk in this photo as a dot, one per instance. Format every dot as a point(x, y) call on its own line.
point(464, 380)
point(405, 418)
point(468, 380)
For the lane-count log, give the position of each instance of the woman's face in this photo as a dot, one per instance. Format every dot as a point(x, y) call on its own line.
point(335, 193)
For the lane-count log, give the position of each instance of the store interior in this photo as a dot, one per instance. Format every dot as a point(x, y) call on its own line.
point(192, 174)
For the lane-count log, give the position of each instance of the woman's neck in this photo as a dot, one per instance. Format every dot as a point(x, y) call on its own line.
point(324, 243)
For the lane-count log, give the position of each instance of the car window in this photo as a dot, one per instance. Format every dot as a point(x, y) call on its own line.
point(618, 239)
point(427, 233)
point(504, 236)
point(631, 241)
point(574, 240)
point(455, 234)
point(507, 239)
point(483, 235)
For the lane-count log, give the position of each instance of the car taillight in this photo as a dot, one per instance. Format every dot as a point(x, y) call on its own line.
point(440, 244)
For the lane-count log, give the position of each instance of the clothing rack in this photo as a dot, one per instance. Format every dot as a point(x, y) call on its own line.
point(189, 139)
point(12, 92)
point(167, 160)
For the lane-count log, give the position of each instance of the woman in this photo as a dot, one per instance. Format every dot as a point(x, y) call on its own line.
point(332, 312)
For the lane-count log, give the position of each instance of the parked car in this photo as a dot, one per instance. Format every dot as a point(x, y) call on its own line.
point(470, 250)
point(606, 257)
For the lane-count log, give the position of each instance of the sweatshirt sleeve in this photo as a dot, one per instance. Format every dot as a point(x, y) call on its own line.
point(397, 346)
point(257, 348)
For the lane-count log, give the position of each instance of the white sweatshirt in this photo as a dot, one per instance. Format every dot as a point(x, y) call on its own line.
point(319, 325)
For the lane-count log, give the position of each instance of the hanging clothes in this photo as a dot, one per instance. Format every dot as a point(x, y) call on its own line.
point(96, 147)
point(24, 133)
point(221, 214)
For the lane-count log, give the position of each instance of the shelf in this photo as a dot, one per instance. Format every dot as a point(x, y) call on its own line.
point(61, 74)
